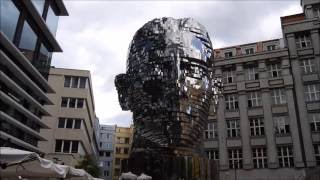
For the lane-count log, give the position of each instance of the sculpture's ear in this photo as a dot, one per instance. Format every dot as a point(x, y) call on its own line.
point(122, 83)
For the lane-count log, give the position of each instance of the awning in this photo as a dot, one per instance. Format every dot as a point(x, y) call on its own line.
point(30, 165)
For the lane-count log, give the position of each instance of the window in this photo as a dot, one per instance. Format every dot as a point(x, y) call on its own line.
point(213, 154)
point(303, 41)
point(75, 145)
point(281, 124)
point(228, 76)
point(252, 73)
point(235, 158)
point(211, 131)
point(52, 20)
point(285, 156)
point(28, 41)
point(316, 148)
point(271, 47)
point(307, 66)
point(254, 99)
point(67, 146)
point(312, 92)
point(126, 140)
point(117, 162)
point(108, 154)
point(75, 82)
point(118, 150)
point(9, 18)
point(233, 128)
point(259, 156)
point(69, 123)
point(249, 51)
point(64, 102)
point(72, 102)
point(61, 123)
point(228, 54)
point(77, 124)
point(58, 146)
point(256, 126)
point(116, 171)
point(314, 119)
point(67, 81)
point(101, 153)
point(125, 150)
point(274, 69)
point(278, 96)
point(231, 102)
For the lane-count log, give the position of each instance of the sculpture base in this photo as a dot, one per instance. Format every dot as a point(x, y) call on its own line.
point(171, 167)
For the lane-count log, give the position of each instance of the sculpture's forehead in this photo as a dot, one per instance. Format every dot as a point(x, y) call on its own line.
point(167, 37)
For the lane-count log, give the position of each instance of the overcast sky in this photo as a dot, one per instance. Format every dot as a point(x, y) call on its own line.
point(96, 35)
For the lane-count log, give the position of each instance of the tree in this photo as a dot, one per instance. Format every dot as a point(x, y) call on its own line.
point(89, 164)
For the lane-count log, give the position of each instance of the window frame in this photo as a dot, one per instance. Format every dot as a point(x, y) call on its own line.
point(312, 92)
point(281, 125)
point(303, 39)
point(285, 156)
point(256, 126)
point(233, 128)
point(274, 70)
point(259, 157)
point(211, 131)
point(314, 121)
point(254, 99)
point(278, 96)
point(231, 102)
point(308, 66)
point(235, 158)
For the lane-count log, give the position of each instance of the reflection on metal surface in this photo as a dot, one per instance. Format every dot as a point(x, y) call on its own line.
point(169, 85)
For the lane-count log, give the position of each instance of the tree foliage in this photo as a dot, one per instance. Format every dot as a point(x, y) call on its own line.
point(89, 164)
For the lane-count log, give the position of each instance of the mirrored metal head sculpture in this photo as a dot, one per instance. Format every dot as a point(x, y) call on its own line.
point(168, 84)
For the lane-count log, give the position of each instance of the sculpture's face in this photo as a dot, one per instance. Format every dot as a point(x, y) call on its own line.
point(168, 83)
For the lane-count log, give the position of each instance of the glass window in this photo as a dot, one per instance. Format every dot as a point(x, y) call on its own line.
point(126, 140)
point(303, 40)
point(67, 81)
point(278, 96)
point(274, 69)
point(126, 150)
point(101, 153)
point(254, 99)
point(9, 17)
point(316, 148)
point(228, 76)
point(58, 146)
point(80, 103)
point(72, 102)
point(69, 123)
point(314, 120)
point(66, 146)
point(61, 122)
point(52, 21)
point(256, 126)
point(231, 102)
point(75, 145)
point(281, 125)
point(77, 124)
point(271, 47)
point(211, 131)
point(285, 156)
point(75, 81)
point(83, 81)
point(108, 154)
point(249, 51)
point(235, 158)
point(312, 92)
point(228, 54)
point(252, 73)
point(64, 102)
point(39, 5)
point(259, 156)
point(213, 154)
point(43, 61)
point(28, 41)
point(308, 66)
point(233, 128)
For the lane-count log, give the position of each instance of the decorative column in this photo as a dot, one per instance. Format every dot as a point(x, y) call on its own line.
point(222, 135)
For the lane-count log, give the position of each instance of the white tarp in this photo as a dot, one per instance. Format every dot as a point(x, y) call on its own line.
point(15, 163)
point(144, 177)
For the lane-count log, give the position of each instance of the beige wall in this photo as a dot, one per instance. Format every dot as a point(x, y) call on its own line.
point(85, 134)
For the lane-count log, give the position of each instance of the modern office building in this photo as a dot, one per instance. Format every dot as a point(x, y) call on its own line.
point(267, 123)
point(27, 41)
point(106, 146)
point(122, 148)
point(71, 135)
